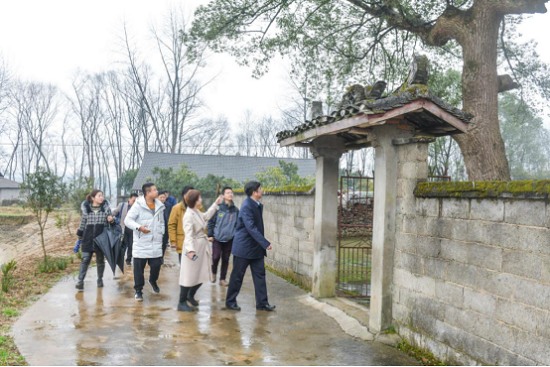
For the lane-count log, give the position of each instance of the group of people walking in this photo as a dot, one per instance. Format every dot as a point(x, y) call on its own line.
point(152, 222)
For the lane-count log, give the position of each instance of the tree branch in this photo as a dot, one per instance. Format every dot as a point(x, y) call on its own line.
point(504, 7)
point(434, 32)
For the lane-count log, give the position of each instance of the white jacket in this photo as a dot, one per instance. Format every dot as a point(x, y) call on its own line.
point(146, 245)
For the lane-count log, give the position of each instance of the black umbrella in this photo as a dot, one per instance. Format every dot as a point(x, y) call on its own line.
point(110, 243)
point(119, 249)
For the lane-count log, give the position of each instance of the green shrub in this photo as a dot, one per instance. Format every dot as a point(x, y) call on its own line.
point(51, 265)
point(7, 275)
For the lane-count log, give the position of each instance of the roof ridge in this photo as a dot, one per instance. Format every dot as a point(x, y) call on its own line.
point(224, 156)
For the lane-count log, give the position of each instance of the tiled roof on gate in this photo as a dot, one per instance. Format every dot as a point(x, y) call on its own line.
point(401, 98)
point(368, 100)
point(239, 168)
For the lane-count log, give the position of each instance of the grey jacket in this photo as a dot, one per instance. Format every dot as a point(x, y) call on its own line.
point(222, 225)
point(125, 207)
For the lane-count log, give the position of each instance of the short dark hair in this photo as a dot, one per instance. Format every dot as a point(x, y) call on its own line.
point(133, 195)
point(185, 189)
point(226, 188)
point(146, 188)
point(250, 187)
point(192, 197)
point(162, 192)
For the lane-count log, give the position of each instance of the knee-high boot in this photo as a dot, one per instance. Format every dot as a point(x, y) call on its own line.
point(86, 259)
point(191, 297)
point(183, 306)
point(100, 258)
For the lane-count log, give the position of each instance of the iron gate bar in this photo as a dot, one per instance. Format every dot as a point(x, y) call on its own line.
point(354, 252)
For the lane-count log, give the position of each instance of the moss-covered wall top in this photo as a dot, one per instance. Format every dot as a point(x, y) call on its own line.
point(282, 191)
point(532, 189)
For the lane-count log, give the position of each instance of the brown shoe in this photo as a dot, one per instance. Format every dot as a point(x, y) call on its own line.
point(213, 278)
point(224, 282)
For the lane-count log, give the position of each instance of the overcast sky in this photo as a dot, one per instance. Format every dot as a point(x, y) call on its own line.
point(49, 40)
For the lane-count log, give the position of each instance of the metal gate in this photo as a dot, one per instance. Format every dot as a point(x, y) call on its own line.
point(355, 221)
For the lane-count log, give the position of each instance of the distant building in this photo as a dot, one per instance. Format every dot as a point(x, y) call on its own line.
point(239, 168)
point(9, 190)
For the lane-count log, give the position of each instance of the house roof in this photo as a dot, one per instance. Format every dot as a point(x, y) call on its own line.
point(8, 184)
point(239, 168)
point(413, 106)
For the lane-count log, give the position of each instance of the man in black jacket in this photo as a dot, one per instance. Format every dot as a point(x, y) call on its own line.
point(249, 249)
point(163, 197)
point(120, 214)
point(221, 230)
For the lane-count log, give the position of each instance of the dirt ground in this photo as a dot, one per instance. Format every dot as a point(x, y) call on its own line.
point(22, 243)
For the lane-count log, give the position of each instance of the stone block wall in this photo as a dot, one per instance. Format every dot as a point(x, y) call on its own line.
point(471, 279)
point(288, 222)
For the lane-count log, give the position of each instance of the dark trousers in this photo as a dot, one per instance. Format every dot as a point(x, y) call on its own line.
point(257, 267)
point(85, 264)
point(128, 241)
point(188, 292)
point(221, 250)
point(139, 271)
point(179, 258)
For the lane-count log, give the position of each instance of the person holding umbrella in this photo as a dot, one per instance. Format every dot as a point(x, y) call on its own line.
point(96, 217)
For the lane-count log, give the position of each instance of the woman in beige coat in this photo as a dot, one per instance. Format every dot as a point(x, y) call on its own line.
point(196, 265)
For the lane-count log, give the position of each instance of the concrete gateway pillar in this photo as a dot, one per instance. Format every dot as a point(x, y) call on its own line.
point(327, 151)
point(400, 162)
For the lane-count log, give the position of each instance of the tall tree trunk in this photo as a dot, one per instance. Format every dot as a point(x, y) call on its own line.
point(482, 148)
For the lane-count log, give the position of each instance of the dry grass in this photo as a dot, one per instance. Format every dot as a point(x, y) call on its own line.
point(29, 283)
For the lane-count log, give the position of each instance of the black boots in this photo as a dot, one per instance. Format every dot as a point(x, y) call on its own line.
point(191, 297)
point(183, 306)
point(86, 260)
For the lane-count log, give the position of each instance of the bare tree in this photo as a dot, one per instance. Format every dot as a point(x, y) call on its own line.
point(208, 136)
point(247, 135)
point(35, 109)
point(182, 86)
point(86, 106)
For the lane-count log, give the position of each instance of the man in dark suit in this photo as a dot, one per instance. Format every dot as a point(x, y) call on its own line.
point(249, 249)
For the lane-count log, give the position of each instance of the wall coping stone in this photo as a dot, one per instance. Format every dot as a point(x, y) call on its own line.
point(531, 189)
point(284, 191)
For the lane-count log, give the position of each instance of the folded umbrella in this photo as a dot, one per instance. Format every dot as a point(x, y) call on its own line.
point(110, 243)
point(118, 247)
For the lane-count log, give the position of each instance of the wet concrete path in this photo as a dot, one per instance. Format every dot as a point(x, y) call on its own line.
point(107, 327)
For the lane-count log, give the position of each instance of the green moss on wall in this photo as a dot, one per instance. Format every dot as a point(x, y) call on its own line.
point(536, 189)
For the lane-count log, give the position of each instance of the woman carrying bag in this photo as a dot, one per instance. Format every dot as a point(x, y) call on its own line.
point(96, 216)
point(196, 264)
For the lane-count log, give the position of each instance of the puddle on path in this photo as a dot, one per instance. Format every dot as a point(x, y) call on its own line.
point(107, 327)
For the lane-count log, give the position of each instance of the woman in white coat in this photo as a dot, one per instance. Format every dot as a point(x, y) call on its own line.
point(196, 265)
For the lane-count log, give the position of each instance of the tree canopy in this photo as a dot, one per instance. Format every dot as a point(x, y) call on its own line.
point(337, 43)
point(284, 175)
